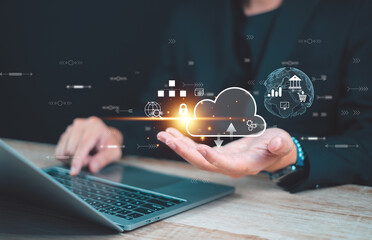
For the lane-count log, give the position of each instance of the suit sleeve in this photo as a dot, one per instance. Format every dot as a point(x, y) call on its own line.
point(330, 166)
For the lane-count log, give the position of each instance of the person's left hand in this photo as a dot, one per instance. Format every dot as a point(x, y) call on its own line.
point(271, 151)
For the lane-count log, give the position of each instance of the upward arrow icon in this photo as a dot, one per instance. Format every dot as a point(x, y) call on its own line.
point(231, 129)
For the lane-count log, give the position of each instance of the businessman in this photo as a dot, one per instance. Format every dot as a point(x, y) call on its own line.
point(233, 42)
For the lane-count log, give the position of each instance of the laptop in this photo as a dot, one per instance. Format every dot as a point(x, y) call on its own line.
point(120, 197)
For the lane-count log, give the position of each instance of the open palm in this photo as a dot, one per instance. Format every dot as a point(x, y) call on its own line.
point(271, 151)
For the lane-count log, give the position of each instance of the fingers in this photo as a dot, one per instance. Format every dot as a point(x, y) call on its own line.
point(186, 148)
point(275, 150)
point(73, 139)
point(82, 137)
point(225, 162)
point(89, 141)
point(59, 152)
point(285, 152)
point(280, 146)
point(174, 132)
point(177, 134)
point(103, 158)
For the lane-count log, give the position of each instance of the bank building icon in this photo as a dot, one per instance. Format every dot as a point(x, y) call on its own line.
point(295, 82)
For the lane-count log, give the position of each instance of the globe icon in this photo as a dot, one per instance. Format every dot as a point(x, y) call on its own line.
point(289, 91)
point(153, 109)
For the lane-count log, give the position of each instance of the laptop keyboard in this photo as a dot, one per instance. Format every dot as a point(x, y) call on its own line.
point(119, 201)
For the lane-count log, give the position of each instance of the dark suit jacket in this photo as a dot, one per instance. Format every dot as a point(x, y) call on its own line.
point(204, 31)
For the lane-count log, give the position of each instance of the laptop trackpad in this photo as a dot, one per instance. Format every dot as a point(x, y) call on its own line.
point(136, 177)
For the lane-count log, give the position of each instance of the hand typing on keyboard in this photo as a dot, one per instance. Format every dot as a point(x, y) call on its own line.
point(120, 201)
point(81, 145)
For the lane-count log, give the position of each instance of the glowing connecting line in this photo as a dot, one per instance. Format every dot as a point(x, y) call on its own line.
point(341, 145)
point(117, 109)
point(360, 88)
point(78, 86)
point(197, 84)
point(59, 103)
point(61, 157)
point(70, 62)
point(290, 63)
point(168, 118)
point(118, 78)
point(15, 74)
point(313, 138)
point(149, 146)
point(326, 97)
point(321, 78)
point(112, 146)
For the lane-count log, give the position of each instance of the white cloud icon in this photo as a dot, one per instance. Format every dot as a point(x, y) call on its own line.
point(232, 113)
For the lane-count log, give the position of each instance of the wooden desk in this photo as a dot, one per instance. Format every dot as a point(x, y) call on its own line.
point(258, 210)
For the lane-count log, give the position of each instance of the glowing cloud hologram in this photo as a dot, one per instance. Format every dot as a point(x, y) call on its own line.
point(231, 114)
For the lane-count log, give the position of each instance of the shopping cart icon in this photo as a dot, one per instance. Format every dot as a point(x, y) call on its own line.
point(302, 96)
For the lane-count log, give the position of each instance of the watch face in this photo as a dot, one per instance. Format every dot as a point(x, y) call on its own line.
point(291, 175)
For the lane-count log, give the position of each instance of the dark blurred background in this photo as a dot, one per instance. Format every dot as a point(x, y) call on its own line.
point(103, 38)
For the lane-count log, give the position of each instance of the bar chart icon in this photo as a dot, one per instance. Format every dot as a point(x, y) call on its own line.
point(275, 93)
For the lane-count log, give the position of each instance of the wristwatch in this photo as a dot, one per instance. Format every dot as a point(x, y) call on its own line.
point(294, 173)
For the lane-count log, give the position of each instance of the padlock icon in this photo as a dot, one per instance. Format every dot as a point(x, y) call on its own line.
point(183, 109)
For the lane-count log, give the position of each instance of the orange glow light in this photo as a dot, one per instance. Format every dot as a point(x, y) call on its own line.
point(164, 118)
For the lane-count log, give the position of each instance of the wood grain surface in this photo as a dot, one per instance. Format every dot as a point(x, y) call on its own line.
point(258, 210)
